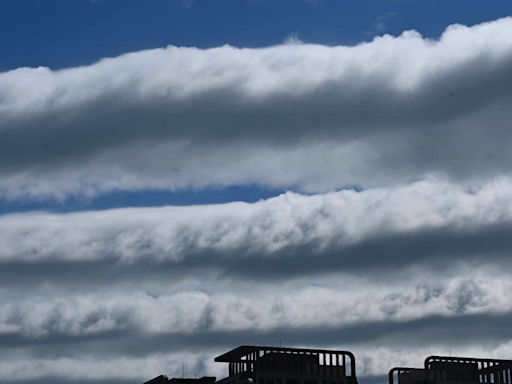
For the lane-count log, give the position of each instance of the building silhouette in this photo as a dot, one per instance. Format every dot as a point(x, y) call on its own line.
point(276, 365)
point(273, 365)
point(451, 370)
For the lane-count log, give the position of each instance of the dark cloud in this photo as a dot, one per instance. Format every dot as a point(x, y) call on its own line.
point(486, 330)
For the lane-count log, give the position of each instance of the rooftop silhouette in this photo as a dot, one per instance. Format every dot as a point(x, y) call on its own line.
point(277, 365)
point(273, 365)
point(447, 369)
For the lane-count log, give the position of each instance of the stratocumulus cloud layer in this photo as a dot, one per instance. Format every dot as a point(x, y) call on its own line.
point(296, 115)
point(393, 274)
point(416, 262)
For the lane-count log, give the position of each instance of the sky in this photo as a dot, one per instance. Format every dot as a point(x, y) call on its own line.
point(178, 178)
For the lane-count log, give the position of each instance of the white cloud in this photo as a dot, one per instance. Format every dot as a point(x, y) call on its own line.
point(306, 116)
point(380, 24)
point(328, 223)
point(262, 307)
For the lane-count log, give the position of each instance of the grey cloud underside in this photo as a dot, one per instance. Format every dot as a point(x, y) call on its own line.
point(344, 111)
point(434, 226)
point(440, 250)
point(435, 331)
point(409, 104)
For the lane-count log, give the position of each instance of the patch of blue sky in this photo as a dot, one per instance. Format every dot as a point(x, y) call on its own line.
point(63, 33)
point(148, 198)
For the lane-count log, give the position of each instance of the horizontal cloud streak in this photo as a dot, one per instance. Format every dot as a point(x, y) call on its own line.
point(101, 324)
point(433, 103)
point(344, 224)
point(113, 325)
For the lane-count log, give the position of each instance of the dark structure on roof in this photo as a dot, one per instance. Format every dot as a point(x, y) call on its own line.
point(447, 370)
point(272, 365)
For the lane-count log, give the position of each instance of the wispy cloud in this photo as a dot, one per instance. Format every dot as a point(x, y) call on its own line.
point(381, 23)
point(293, 39)
point(187, 3)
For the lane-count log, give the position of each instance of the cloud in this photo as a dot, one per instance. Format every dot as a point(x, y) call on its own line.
point(378, 345)
point(194, 320)
point(187, 3)
point(101, 332)
point(378, 272)
point(380, 24)
point(389, 111)
point(293, 39)
point(348, 228)
point(407, 267)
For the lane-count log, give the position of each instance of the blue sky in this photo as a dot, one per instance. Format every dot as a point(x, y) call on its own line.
point(179, 178)
point(61, 34)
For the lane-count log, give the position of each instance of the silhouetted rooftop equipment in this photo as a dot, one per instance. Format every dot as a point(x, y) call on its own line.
point(277, 365)
point(443, 369)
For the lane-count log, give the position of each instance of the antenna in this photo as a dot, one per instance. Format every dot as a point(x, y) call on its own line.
point(182, 369)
